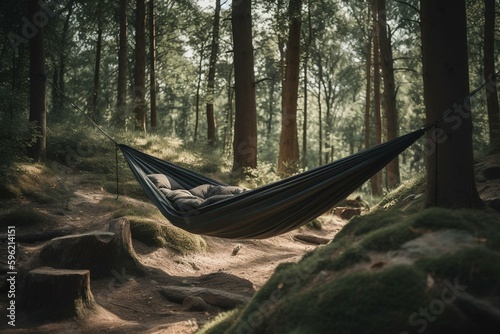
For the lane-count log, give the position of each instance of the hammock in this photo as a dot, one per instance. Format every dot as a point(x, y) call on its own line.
point(270, 210)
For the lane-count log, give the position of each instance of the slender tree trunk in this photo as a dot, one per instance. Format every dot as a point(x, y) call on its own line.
point(198, 92)
point(121, 102)
point(450, 169)
point(368, 72)
point(306, 83)
point(489, 71)
point(245, 122)
point(97, 71)
point(320, 115)
point(289, 144)
point(376, 180)
point(140, 66)
point(211, 76)
point(62, 58)
point(269, 128)
point(152, 64)
point(38, 113)
point(393, 175)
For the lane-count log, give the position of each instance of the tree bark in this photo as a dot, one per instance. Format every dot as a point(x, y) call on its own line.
point(140, 66)
point(489, 71)
point(376, 180)
point(38, 112)
point(393, 176)
point(289, 145)
point(152, 64)
point(245, 122)
point(214, 50)
point(450, 170)
point(97, 68)
point(121, 103)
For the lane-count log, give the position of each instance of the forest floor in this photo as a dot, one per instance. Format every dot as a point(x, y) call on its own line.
point(133, 304)
point(130, 304)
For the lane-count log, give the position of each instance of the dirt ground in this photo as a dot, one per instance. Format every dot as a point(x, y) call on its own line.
point(129, 304)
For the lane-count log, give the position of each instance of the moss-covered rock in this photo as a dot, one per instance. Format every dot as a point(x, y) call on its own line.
point(357, 284)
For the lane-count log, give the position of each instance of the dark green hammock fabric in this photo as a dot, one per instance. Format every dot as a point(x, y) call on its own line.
point(270, 210)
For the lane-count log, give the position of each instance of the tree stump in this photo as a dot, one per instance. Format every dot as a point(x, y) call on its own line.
point(103, 253)
point(55, 294)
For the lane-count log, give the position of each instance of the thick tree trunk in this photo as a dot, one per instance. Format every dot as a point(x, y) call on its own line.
point(450, 169)
point(121, 103)
point(376, 180)
point(391, 113)
point(140, 66)
point(38, 112)
point(489, 71)
point(152, 64)
point(289, 144)
point(245, 122)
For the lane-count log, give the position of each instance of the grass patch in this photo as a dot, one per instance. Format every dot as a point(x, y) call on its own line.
point(404, 196)
point(220, 323)
point(25, 216)
point(36, 182)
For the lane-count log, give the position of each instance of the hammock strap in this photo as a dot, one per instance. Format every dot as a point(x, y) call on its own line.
point(97, 126)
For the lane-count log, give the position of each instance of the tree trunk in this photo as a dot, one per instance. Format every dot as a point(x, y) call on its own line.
point(245, 122)
point(38, 112)
point(306, 91)
point(368, 72)
point(97, 67)
point(289, 144)
point(320, 116)
point(376, 180)
point(489, 71)
point(58, 100)
point(140, 66)
point(152, 64)
point(391, 113)
point(450, 170)
point(211, 76)
point(198, 90)
point(121, 103)
point(58, 294)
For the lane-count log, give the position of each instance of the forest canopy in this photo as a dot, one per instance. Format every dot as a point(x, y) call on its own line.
point(168, 67)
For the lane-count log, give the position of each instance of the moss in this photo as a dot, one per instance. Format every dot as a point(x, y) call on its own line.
point(390, 237)
point(349, 257)
point(153, 234)
point(221, 323)
point(356, 303)
point(478, 268)
point(361, 225)
point(147, 231)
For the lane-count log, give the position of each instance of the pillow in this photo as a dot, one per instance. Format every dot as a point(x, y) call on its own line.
point(160, 181)
point(201, 191)
point(224, 190)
